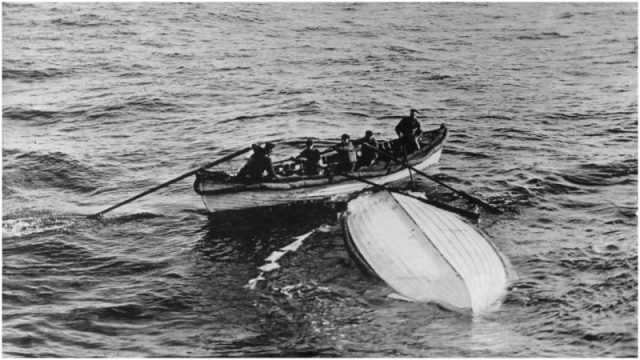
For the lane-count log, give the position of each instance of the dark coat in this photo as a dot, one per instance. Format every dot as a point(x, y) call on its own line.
point(407, 126)
point(312, 158)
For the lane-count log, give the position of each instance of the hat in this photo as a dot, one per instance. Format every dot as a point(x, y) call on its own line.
point(414, 111)
point(345, 136)
point(368, 133)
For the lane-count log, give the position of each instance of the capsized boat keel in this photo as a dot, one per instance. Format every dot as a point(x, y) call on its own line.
point(423, 252)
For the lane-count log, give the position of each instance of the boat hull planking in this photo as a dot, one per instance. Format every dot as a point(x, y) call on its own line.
point(424, 253)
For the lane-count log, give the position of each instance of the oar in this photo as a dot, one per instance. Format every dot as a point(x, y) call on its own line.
point(406, 160)
point(471, 215)
point(185, 175)
point(469, 197)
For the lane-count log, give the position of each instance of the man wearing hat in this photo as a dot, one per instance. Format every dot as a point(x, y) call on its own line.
point(310, 158)
point(368, 155)
point(407, 129)
point(258, 163)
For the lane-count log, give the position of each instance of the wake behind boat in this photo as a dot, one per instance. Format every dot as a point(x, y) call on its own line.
point(222, 191)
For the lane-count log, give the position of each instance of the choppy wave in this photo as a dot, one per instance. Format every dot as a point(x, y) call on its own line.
point(37, 117)
point(594, 295)
point(543, 36)
point(88, 20)
point(32, 75)
point(112, 110)
point(36, 170)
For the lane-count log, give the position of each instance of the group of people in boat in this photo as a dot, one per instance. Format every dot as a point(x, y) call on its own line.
point(346, 153)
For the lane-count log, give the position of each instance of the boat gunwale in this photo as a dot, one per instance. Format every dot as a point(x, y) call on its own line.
point(352, 249)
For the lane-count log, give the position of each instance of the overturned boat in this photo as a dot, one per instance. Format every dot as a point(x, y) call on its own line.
point(221, 191)
point(424, 253)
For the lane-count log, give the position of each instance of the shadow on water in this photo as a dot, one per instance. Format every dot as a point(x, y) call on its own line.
point(253, 233)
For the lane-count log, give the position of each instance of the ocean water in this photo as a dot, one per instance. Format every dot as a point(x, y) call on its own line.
point(101, 101)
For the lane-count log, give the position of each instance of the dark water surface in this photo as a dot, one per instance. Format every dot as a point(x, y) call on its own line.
point(104, 100)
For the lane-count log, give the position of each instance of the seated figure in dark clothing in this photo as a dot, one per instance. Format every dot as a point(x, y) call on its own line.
point(367, 154)
point(346, 154)
point(310, 158)
point(258, 163)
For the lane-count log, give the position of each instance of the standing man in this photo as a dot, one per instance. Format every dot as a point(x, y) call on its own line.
point(408, 129)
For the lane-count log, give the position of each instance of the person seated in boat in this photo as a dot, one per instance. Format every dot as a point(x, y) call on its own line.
point(408, 129)
point(310, 159)
point(258, 163)
point(346, 154)
point(367, 154)
point(257, 152)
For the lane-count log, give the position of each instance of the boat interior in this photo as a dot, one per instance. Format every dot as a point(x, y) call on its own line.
point(292, 171)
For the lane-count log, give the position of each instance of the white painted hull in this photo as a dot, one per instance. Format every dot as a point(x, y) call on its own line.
point(425, 253)
point(263, 197)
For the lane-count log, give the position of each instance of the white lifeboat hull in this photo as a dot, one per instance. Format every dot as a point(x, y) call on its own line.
point(423, 252)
